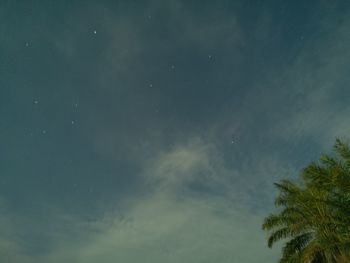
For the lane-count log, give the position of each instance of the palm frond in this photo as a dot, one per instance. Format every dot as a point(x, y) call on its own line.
point(314, 214)
point(279, 234)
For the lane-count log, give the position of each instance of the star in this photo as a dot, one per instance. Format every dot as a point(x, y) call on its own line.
point(27, 44)
point(172, 67)
point(95, 32)
point(209, 56)
point(36, 101)
point(151, 85)
point(72, 122)
point(44, 131)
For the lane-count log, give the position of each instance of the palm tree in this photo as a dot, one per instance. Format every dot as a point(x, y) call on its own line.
point(314, 213)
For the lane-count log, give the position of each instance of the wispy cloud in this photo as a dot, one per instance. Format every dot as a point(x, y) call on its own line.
point(319, 81)
point(165, 224)
point(170, 222)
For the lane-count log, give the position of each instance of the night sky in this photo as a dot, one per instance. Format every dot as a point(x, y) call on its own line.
point(153, 131)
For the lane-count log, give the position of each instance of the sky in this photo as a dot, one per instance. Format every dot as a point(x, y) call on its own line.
point(153, 131)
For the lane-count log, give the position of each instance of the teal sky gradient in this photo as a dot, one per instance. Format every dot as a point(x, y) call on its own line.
point(152, 131)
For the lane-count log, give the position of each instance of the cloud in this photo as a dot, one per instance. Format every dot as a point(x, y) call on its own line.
point(182, 165)
point(168, 226)
point(163, 229)
point(319, 80)
point(11, 247)
point(170, 222)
